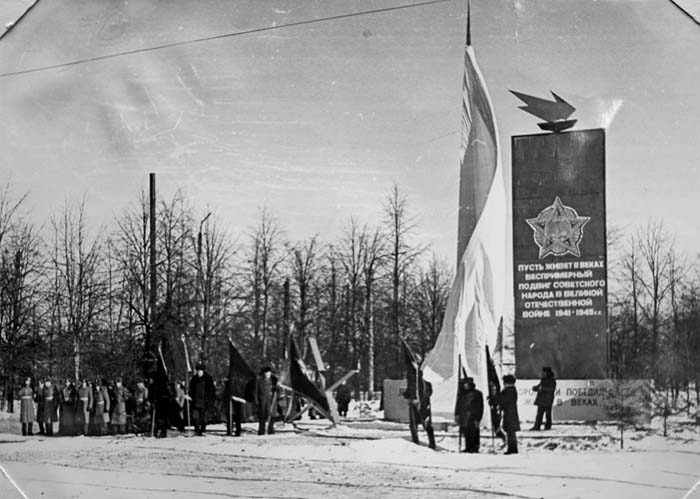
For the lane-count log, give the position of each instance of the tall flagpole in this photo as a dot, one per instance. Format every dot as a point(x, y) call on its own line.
point(187, 390)
point(459, 384)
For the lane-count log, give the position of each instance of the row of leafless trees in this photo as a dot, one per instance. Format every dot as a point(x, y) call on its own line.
point(75, 300)
point(655, 310)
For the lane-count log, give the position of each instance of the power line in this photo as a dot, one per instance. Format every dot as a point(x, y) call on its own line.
point(220, 37)
point(692, 15)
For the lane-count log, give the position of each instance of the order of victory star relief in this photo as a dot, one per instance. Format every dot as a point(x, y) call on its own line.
point(558, 230)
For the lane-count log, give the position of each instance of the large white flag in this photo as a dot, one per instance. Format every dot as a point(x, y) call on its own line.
point(475, 305)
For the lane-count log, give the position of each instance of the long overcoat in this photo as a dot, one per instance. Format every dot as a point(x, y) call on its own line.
point(100, 405)
point(545, 392)
point(50, 399)
point(264, 391)
point(27, 414)
point(469, 408)
point(202, 392)
point(39, 399)
point(69, 402)
point(120, 396)
point(508, 400)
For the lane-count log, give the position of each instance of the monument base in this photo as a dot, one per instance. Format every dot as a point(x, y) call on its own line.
point(574, 399)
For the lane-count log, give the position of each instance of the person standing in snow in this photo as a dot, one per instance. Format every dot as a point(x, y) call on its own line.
point(418, 393)
point(342, 398)
point(39, 399)
point(264, 397)
point(468, 413)
point(119, 397)
point(68, 398)
point(202, 396)
point(508, 401)
point(84, 405)
point(49, 398)
point(100, 408)
point(142, 407)
point(26, 408)
point(545, 399)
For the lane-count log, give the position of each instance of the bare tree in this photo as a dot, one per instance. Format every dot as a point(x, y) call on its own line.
point(304, 271)
point(21, 276)
point(373, 256)
point(399, 226)
point(655, 249)
point(350, 255)
point(216, 281)
point(266, 257)
point(78, 284)
point(132, 249)
point(430, 301)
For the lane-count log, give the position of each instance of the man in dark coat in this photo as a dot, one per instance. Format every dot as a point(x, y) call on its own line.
point(545, 399)
point(202, 396)
point(342, 398)
point(50, 398)
point(469, 410)
point(418, 394)
point(508, 401)
point(39, 398)
point(264, 398)
point(68, 399)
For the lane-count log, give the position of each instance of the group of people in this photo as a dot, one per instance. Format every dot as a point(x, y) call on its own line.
point(99, 407)
point(503, 406)
point(88, 407)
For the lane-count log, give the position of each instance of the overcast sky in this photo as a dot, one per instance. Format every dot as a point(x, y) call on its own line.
point(318, 121)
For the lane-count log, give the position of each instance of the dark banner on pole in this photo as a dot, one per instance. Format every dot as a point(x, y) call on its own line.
point(559, 254)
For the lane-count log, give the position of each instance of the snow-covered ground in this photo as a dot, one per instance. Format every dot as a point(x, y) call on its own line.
point(363, 458)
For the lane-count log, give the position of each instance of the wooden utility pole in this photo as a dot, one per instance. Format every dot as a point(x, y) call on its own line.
point(150, 329)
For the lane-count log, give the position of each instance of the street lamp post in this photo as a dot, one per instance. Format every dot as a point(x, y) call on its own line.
point(200, 285)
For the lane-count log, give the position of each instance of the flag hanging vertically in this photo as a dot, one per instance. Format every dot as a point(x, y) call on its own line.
point(475, 304)
point(412, 367)
point(491, 371)
point(160, 377)
point(241, 377)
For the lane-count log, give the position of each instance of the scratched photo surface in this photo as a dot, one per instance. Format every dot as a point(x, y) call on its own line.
point(314, 111)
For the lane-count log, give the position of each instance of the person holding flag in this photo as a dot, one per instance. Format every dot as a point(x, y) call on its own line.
point(468, 413)
point(202, 395)
point(508, 401)
point(418, 392)
point(238, 389)
point(494, 387)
